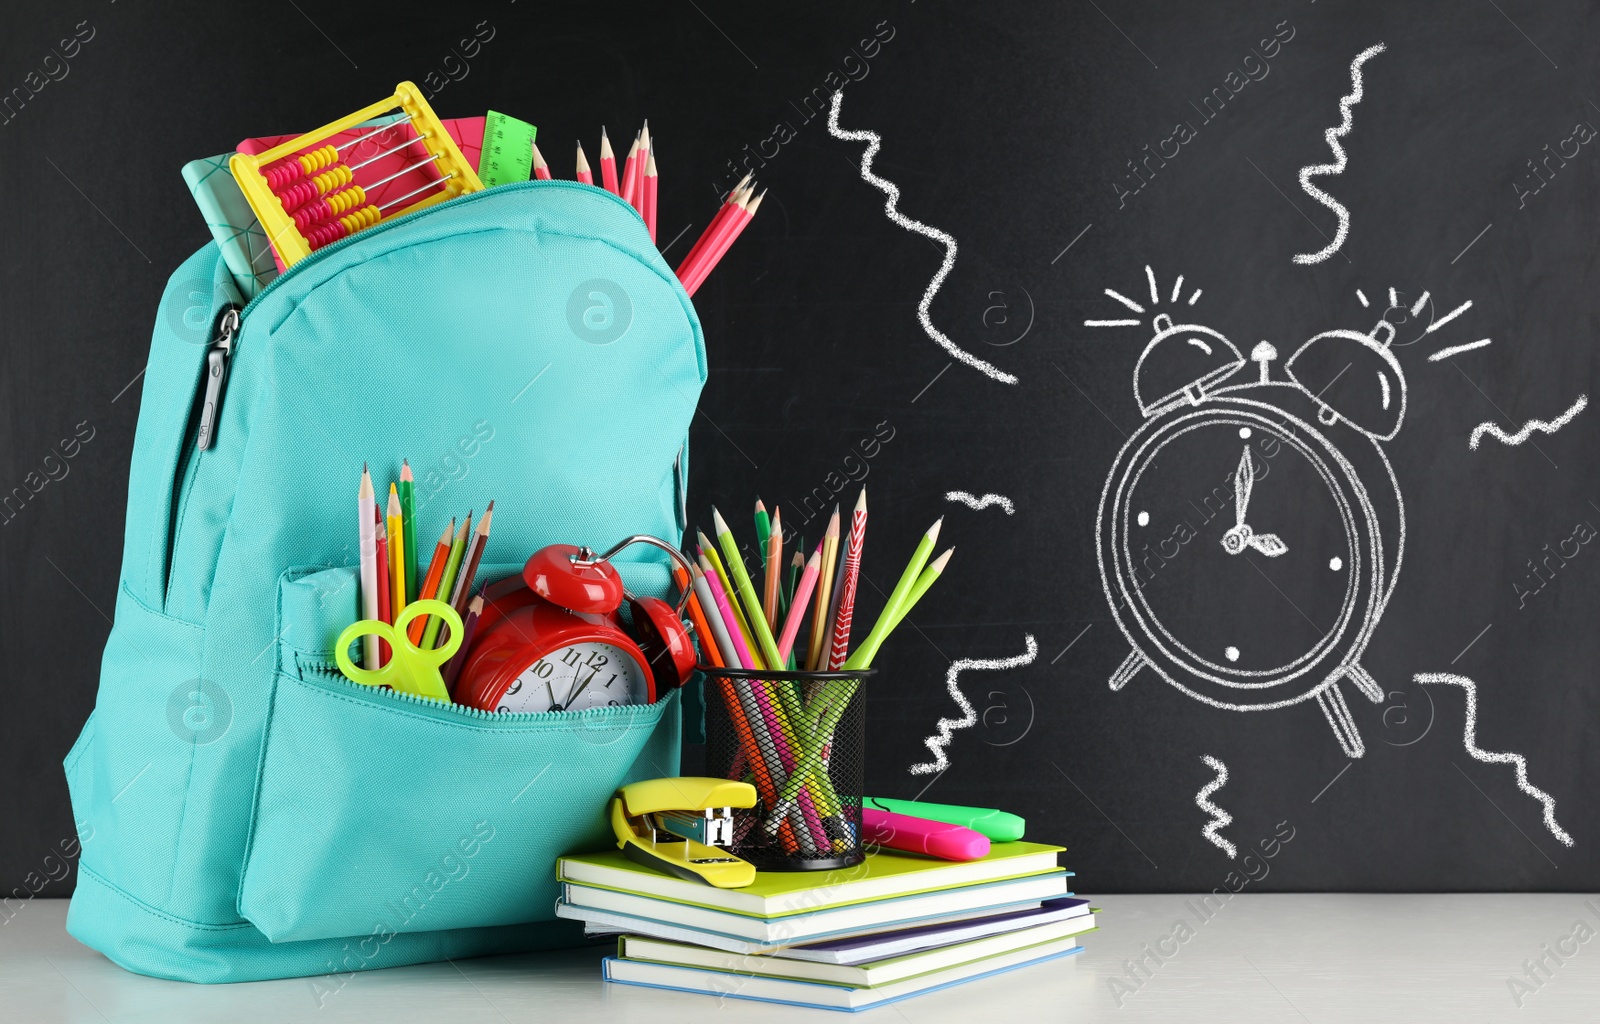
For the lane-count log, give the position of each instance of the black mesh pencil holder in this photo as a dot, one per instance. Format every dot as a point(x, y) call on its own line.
point(800, 739)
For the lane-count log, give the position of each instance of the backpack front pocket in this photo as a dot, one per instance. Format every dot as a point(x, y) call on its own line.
point(379, 812)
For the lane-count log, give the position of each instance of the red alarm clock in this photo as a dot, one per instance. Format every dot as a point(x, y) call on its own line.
point(551, 640)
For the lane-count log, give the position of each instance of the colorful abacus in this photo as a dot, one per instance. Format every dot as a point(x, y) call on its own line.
point(306, 196)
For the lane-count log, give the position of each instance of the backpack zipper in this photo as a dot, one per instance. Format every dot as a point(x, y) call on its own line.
point(201, 432)
point(209, 394)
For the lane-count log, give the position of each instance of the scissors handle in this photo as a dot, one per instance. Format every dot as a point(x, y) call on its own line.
point(410, 669)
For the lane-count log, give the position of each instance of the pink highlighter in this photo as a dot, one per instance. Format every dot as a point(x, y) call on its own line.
point(919, 835)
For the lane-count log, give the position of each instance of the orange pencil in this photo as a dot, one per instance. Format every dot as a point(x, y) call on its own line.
point(736, 225)
point(430, 585)
point(650, 184)
point(541, 170)
point(775, 568)
point(585, 175)
point(697, 617)
point(608, 165)
point(723, 213)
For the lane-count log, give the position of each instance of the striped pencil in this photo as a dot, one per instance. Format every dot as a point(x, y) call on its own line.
point(844, 609)
point(740, 220)
point(608, 165)
point(541, 170)
point(583, 172)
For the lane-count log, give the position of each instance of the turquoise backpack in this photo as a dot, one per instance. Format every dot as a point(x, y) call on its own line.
point(247, 812)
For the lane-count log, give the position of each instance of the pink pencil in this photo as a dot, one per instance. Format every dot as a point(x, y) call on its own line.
point(608, 165)
point(716, 222)
point(630, 172)
point(735, 226)
point(541, 170)
point(797, 605)
point(585, 175)
point(650, 184)
point(713, 236)
point(643, 160)
point(740, 649)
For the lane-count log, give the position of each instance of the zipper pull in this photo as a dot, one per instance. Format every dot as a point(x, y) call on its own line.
point(216, 376)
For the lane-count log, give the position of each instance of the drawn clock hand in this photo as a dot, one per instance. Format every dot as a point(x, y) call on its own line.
point(1241, 536)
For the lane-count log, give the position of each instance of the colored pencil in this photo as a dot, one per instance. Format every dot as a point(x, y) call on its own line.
point(651, 184)
point(747, 594)
point(584, 174)
point(845, 597)
point(791, 579)
point(797, 607)
point(430, 586)
point(608, 165)
point(739, 220)
point(742, 656)
point(447, 581)
point(630, 172)
point(461, 589)
point(862, 658)
point(709, 550)
point(716, 220)
point(469, 626)
point(707, 243)
point(641, 161)
point(397, 555)
point(365, 503)
point(711, 644)
point(772, 578)
point(385, 593)
point(924, 580)
point(541, 170)
point(408, 515)
point(819, 612)
point(763, 530)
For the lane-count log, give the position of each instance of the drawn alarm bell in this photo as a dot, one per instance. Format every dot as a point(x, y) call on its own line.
point(1251, 530)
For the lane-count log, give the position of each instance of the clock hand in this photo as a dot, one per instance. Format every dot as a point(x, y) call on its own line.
point(1244, 478)
point(574, 694)
point(1268, 544)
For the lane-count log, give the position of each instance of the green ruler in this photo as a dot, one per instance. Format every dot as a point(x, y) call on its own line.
point(507, 155)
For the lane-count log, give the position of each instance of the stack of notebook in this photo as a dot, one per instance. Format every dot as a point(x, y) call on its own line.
point(895, 926)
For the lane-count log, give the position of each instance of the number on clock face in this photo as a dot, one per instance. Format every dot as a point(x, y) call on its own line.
point(584, 675)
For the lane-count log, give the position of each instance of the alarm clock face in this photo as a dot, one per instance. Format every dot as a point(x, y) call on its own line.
point(1240, 552)
point(583, 675)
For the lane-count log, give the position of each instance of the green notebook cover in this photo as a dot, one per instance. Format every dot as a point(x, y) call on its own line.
point(883, 875)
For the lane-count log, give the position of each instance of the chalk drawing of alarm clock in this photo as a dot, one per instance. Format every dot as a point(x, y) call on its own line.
point(1251, 530)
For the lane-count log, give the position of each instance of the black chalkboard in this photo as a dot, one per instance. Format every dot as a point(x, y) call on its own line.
point(1061, 153)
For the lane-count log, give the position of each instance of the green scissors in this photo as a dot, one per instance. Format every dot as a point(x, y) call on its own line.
point(410, 669)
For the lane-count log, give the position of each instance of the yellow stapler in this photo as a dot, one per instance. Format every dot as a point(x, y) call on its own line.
point(676, 825)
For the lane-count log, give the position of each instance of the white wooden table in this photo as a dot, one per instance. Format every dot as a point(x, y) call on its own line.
point(1270, 958)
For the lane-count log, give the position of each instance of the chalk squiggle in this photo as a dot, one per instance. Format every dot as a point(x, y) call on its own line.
point(1490, 757)
point(892, 190)
point(971, 500)
point(947, 726)
point(1527, 428)
point(1337, 167)
point(1219, 817)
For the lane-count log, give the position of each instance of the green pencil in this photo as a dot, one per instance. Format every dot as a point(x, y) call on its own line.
point(763, 531)
point(747, 590)
point(924, 581)
point(447, 580)
point(408, 519)
point(888, 618)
